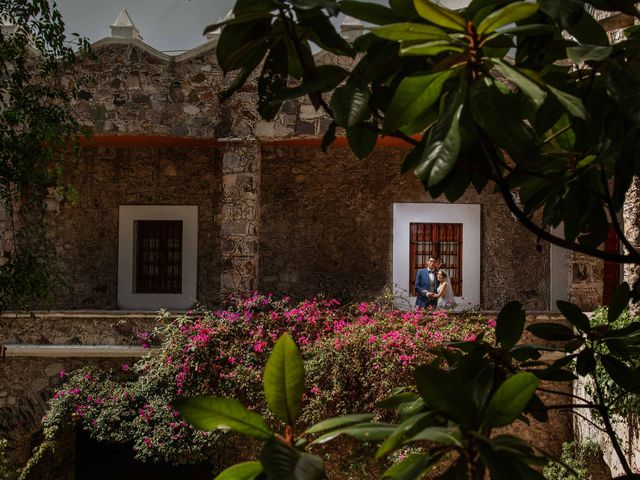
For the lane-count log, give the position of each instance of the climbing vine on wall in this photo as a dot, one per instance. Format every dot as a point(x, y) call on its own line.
point(36, 124)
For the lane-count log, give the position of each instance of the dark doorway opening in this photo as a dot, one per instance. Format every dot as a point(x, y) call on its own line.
point(109, 461)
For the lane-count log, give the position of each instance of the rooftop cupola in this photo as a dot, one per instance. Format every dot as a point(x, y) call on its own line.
point(124, 27)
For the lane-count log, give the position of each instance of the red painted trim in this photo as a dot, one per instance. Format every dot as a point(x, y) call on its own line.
point(163, 141)
point(158, 141)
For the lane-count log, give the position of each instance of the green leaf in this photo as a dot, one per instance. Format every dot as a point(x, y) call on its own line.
point(368, 12)
point(414, 95)
point(494, 112)
point(572, 104)
point(442, 391)
point(512, 13)
point(361, 140)
point(322, 32)
point(510, 325)
point(585, 362)
point(441, 154)
point(439, 15)
point(413, 467)
point(551, 331)
point(588, 30)
point(282, 462)
point(329, 137)
point(236, 42)
point(574, 315)
point(364, 432)
point(241, 471)
point(330, 423)
point(407, 32)
point(432, 48)
point(350, 105)
point(619, 372)
point(209, 413)
point(619, 301)
point(284, 380)
point(444, 435)
point(510, 399)
point(405, 428)
point(272, 80)
point(587, 53)
point(327, 78)
point(524, 83)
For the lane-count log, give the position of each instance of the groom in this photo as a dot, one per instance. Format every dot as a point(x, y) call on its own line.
point(426, 282)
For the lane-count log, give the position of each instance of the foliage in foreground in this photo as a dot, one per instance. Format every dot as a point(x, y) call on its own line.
point(353, 355)
point(36, 123)
point(509, 96)
point(469, 391)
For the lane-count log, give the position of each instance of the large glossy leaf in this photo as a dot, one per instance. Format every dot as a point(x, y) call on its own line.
point(284, 380)
point(620, 372)
point(444, 435)
point(409, 32)
point(493, 111)
point(209, 413)
point(619, 301)
point(405, 428)
point(241, 471)
point(586, 53)
point(322, 32)
point(362, 140)
point(432, 48)
point(414, 95)
point(551, 331)
point(280, 461)
point(574, 315)
point(272, 81)
point(589, 31)
point(510, 399)
point(368, 12)
point(567, 12)
point(350, 105)
point(438, 15)
point(365, 432)
point(238, 41)
point(524, 83)
point(413, 467)
point(585, 362)
point(510, 325)
point(572, 104)
point(514, 12)
point(327, 78)
point(336, 422)
point(441, 153)
point(442, 391)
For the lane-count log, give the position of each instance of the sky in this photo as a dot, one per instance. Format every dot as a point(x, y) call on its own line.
point(170, 26)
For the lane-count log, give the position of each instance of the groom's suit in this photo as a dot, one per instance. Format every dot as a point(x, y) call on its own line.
point(425, 281)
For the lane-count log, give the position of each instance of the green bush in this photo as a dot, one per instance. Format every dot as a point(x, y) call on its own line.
point(574, 455)
point(4, 468)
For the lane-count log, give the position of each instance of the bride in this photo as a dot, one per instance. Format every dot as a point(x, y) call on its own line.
point(445, 291)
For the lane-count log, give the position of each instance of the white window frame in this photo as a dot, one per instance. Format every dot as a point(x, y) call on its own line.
point(128, 215)
point(468, 215)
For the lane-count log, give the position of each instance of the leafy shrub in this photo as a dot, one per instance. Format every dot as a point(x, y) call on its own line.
point(575, 455)
point(354, 355)
point(4, 469)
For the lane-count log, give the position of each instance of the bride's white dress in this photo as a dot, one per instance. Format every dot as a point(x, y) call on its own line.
point(447, 299)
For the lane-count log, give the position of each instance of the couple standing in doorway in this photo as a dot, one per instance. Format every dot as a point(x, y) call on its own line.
point(433, 286)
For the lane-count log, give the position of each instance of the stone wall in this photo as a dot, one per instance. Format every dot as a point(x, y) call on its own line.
point(85, 233)
point(326, 227)
point(129, 88)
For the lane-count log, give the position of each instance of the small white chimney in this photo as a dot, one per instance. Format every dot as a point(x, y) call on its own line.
point(123, 27)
